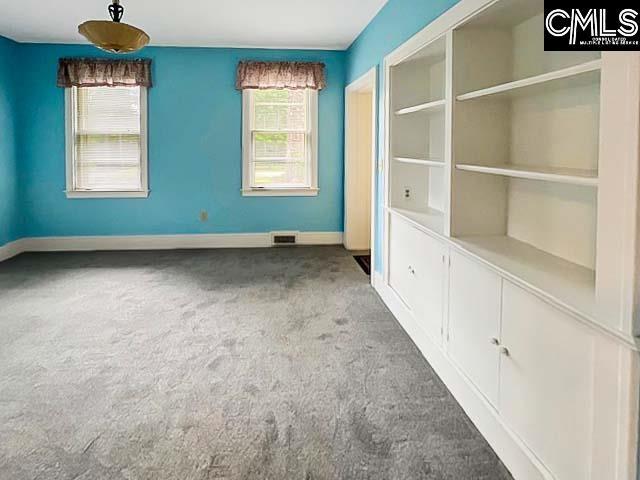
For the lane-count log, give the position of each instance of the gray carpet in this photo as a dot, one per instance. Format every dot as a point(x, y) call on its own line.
point(234, 364)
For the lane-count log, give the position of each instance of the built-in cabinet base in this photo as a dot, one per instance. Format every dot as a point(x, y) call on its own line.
point(554, 396)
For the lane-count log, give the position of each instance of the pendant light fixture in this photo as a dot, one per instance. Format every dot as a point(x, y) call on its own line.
point(113, 36)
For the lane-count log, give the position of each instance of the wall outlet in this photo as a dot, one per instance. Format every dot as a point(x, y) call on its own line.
point(407, 192)
point(204, 216)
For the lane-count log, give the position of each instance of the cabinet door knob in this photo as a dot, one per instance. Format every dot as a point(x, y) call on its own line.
point(505, 351)
point(494, 341)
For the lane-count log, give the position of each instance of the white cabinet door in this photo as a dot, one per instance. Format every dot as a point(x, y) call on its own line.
point(474, 322)
point(400, 259)
point(417, 274)
point(428, 296)
point(546, 382)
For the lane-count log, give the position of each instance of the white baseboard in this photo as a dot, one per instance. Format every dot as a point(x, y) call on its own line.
point(320, 238)
point(158, 242)
point(11, 249)
point(144, 242)
point(514, 454)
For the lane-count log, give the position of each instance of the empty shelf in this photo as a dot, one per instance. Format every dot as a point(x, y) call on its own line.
point(424, 107)
point(563, 282)
point(427, 162)
point(584, 73)
point(431, 220)
point(571, 176)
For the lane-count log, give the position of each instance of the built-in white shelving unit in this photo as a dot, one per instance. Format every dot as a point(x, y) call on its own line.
point(511, 234)
point(525, 136)
point(418, 124)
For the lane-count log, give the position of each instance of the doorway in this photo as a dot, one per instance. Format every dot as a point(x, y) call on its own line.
point(359, 167)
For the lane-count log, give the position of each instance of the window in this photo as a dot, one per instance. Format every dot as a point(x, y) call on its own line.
point(106, 142)
point(280, 142)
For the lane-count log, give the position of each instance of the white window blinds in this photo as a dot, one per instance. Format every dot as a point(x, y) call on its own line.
point(280, 139)
point(107, 138)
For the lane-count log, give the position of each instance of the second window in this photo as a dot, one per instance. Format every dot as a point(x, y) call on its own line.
point(280, 142)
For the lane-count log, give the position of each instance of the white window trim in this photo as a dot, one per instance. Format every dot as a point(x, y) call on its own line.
point(247, 190)
point(71, 191)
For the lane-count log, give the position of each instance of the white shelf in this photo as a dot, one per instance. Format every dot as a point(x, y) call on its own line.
point(572, 176)
point(562, 282)
point(423, 107)
point(584, 73)
point(427, 162)
point(430, 220)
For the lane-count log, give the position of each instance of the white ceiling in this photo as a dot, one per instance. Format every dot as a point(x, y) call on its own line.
point(314, 24)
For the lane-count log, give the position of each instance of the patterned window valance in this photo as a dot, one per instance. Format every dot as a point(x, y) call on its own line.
point(293, 75)
point(100, 72)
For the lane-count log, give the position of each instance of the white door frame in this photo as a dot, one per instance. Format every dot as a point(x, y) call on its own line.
point(367, 82)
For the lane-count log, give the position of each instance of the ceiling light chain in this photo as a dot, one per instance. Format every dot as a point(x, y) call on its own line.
point(116, 11)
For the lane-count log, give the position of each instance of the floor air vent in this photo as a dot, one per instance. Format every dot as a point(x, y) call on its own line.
point(284, 238)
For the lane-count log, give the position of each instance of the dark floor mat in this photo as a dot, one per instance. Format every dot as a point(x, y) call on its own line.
point(365, 262)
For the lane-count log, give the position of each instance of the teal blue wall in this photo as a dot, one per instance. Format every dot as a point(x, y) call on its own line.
point(398, 21)
point(9, 199)
point(194, 150)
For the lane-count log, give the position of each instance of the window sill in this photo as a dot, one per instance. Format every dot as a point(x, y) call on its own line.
point(106, 194)
point(280, 192)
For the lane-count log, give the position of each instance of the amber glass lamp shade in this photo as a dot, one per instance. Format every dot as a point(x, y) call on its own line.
point(114, 37)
